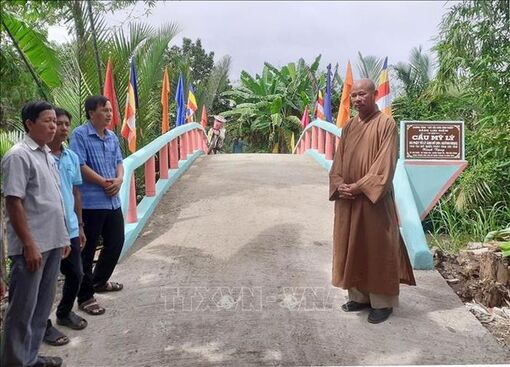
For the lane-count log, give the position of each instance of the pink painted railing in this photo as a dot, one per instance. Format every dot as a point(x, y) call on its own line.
point(321, 136)
point(170, 148)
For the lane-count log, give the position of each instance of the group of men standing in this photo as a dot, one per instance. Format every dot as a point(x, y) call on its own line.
point(60, 201)
point(50, 207)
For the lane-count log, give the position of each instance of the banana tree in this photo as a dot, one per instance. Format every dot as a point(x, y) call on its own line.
point(33, 47)
point(268, 106)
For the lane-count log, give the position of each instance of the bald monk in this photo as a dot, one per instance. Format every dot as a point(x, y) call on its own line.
point(369, 257)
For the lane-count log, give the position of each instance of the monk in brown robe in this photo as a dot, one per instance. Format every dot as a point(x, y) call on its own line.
point(369, 257)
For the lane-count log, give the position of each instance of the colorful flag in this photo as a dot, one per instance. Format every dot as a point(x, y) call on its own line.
point(179, 98)
point(327, 97)
point(344, 112)
point(383, 91)
point(319, 107)
point(165, 91)
point(305, 120)
point(204, 117)
point(109, 92)
point(192, 104)
point(129, 123)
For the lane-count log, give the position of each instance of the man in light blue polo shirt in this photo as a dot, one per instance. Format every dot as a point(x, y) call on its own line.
point(102, 170)
point(37, 232)
point(68, 165)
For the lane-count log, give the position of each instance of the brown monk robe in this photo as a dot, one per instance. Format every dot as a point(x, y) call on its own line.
point(368, 254)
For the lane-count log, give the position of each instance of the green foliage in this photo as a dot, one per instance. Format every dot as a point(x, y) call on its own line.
point(505, 249)
point(32, 46)
point(17, 87)
point(267, 106)
point(370, 67)
point(473, 49)
point(209, 80)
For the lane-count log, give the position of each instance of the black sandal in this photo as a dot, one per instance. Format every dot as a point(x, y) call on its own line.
point(91, 307)
point(73, 321)
point(43, 361)
point(54, 337)
point(109, 287)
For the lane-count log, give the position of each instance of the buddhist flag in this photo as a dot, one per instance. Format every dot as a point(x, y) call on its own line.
point(165, 91)
point(305, 120)
point(179, 98)
point(129, 123)
point(192, 104)
point(344, 112)
point(109, 92)
point(204, 117)
point(319, 107)
point(327, 97)
point(383, 91)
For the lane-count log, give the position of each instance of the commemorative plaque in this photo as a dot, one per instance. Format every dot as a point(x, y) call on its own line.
point(433, 140)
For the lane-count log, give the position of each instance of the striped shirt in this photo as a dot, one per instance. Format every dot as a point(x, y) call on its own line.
point(102, 155)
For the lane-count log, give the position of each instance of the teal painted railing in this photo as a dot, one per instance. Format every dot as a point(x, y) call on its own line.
point(176, 150)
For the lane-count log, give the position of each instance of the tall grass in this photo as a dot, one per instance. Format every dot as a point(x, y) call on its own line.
point(452, 229)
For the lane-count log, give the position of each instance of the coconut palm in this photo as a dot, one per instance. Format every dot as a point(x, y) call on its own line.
point(370, 67)
point(416, 74)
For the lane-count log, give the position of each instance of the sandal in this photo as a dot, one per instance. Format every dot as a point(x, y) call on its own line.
point(54, 337)
point(48, 361)
point(109, 287)
point(73, 321)
point(91, 307)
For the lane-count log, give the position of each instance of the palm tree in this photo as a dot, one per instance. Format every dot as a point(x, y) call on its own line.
point(416, 74)
point(370, 67)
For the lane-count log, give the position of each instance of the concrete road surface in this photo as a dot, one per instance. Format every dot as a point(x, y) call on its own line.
point(234, 269)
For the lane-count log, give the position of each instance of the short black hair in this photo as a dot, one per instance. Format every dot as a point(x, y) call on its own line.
point(60, 111)
point(31, 110)
point(92, 102)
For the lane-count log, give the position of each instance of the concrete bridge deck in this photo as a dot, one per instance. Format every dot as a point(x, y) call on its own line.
point(234, 269)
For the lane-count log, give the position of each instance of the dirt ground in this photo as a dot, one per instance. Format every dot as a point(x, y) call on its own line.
point(487, 299)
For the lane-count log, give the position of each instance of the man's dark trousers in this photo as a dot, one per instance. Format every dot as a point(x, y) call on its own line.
point(72, 268)
point(109, 224)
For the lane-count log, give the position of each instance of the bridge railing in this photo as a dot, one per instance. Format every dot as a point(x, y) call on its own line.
point(319, 139)
point(175, 152)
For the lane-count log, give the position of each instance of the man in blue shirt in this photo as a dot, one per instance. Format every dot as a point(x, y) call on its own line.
point(101, 167)
point(70, 177)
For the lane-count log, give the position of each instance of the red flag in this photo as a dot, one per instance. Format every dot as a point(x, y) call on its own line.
point(344, 111)
point(305, 120)
point(204, 117)
point(109, 92)
point(165, 91)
